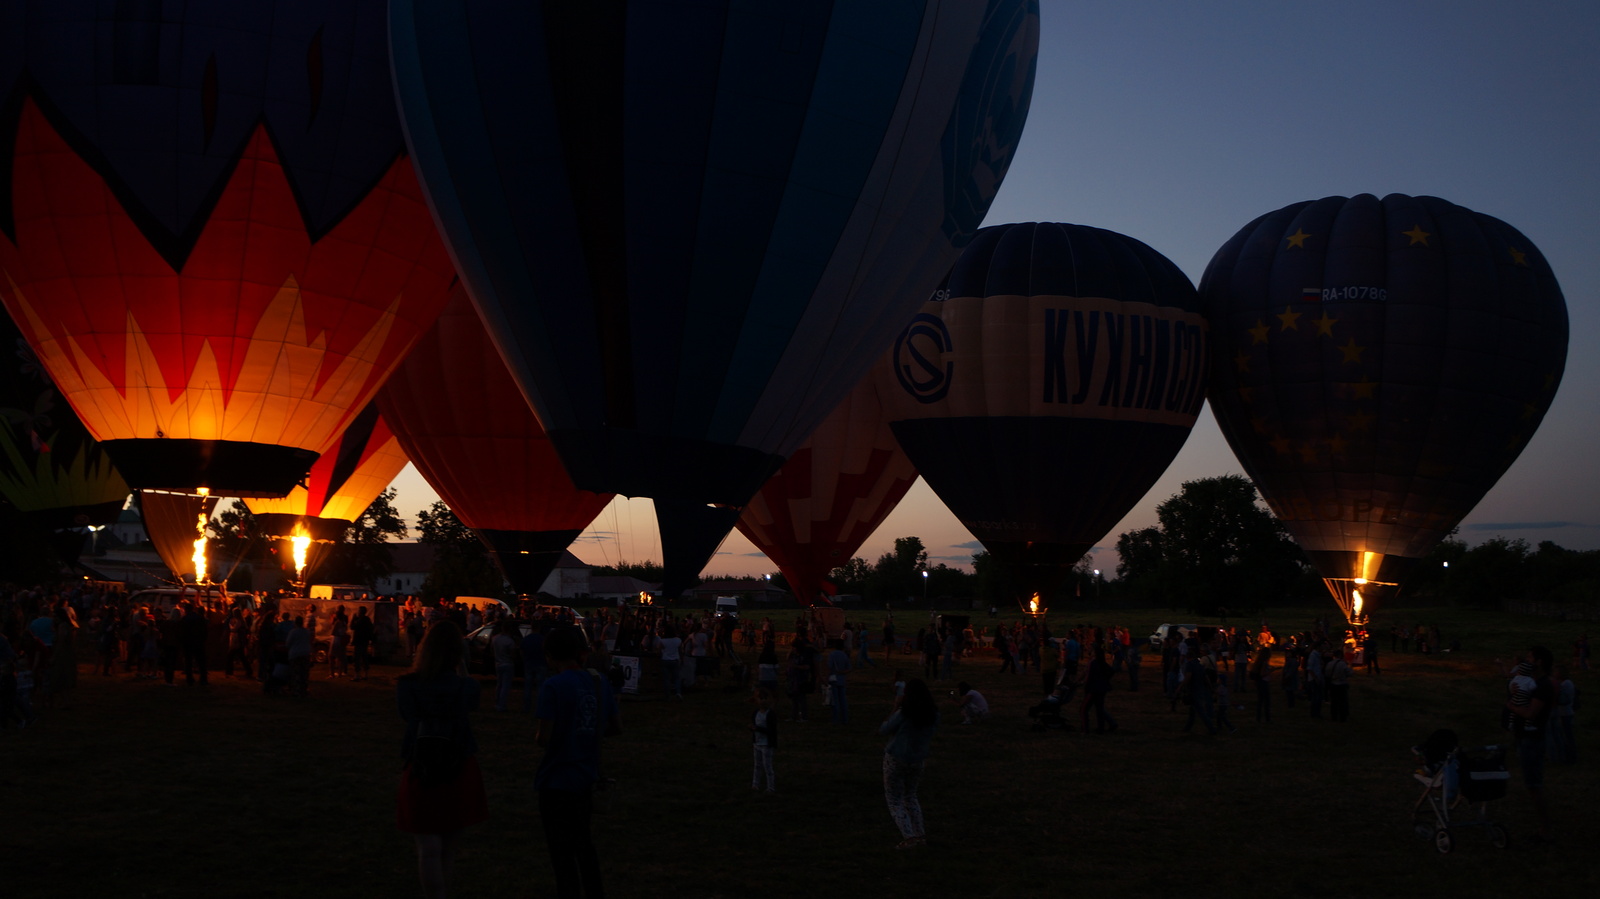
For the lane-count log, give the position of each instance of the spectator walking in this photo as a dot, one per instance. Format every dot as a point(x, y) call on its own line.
point(532, 664)
point(361, 631)
point(503, 649)
point(1261, 674)
point(339, 643)
point(671, 661)
point(238, 644)
point(441, 786)
point(193, 630)
point(1096, 685)
point(1194, 680)
point(838, 675)
point(1315, 678)
point(576, 708)
point(1529, 725)
point(911, 726)
point(1223, 698)
point(1291, 676)
point(799, 679)
point(1563, 744)
point(1338, 677)
point(297, 650)
point(764, 737)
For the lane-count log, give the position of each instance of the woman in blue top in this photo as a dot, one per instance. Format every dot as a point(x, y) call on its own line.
point(913, 723)
point(441, 789)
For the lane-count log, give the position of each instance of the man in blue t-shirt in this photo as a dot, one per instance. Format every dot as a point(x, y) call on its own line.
point(576, 708)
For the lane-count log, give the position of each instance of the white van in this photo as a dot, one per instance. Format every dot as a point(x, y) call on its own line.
point(727, 606)
point(483, 603)
point(163, 599)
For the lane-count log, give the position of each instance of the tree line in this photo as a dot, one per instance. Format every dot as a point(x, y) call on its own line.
point(1216, 546)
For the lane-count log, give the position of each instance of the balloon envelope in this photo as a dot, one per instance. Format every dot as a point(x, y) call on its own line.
point(172, 521)
point(1380, 363)
point(338, 489)
point(50, 468)
point(692, 229)
point(211, 234)
point(834, 491)
point(1051, 380)
point(463, 422)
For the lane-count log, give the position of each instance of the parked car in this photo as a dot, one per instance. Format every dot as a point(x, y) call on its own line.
point(1183, 632)
point(480, 659)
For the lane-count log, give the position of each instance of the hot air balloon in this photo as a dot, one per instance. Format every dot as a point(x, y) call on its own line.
point(210, 231)
point(463, 422)
point(343, 483)
point(691, 230)
point(1046, 386)
point(51, 470)
point(830, 496)
point(1379, 365)
point(176, 524)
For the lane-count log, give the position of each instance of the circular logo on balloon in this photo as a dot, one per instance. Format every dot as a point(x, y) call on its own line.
point(916, 358)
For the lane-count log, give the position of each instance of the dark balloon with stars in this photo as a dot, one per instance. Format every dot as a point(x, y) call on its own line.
point(1378, 365)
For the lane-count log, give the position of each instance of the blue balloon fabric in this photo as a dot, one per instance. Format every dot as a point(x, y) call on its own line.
point(692, 228)
point(1379, 365)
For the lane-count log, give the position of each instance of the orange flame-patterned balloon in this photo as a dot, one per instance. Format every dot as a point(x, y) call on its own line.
point(212, 236)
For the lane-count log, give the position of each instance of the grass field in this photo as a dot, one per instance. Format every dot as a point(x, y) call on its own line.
point(137, 789)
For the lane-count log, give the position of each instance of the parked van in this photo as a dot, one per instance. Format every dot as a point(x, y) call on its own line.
point(343, 592)
point(483, 603)
point(385, 620)
point(164, 599)
point(727, 605)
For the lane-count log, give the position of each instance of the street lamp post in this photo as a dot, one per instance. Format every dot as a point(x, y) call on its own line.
point(924, 586)
point(1097, 586)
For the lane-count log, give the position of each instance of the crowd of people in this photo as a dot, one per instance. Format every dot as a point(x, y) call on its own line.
point(48, 635)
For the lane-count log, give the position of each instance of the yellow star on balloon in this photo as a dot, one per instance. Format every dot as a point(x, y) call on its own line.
point(1417, 236)
point(1518, 257)
point(1297, 239)
point(1281, 444)
point(1363, 390)
point(1242, 361)
point(1352, 352)
point(1260, 332)
point(1247, 394)
point(1308, 452)
point(1325, 324)
point(1289, 318)
point(1336, 445)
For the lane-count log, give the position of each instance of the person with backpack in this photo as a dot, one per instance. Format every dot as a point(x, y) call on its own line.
point(441, 786)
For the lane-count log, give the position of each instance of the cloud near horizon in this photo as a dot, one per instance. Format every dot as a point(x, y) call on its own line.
point(1526, 525)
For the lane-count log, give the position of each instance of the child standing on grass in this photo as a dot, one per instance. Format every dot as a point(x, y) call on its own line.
point(764, 735)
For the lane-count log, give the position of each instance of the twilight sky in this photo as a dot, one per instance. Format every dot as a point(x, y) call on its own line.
point(1177, 123)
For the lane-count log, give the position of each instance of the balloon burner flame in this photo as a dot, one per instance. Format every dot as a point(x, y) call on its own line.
point(201, 575)
point(300, 543)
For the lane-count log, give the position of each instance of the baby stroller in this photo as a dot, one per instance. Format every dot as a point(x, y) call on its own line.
point(1451, 775)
